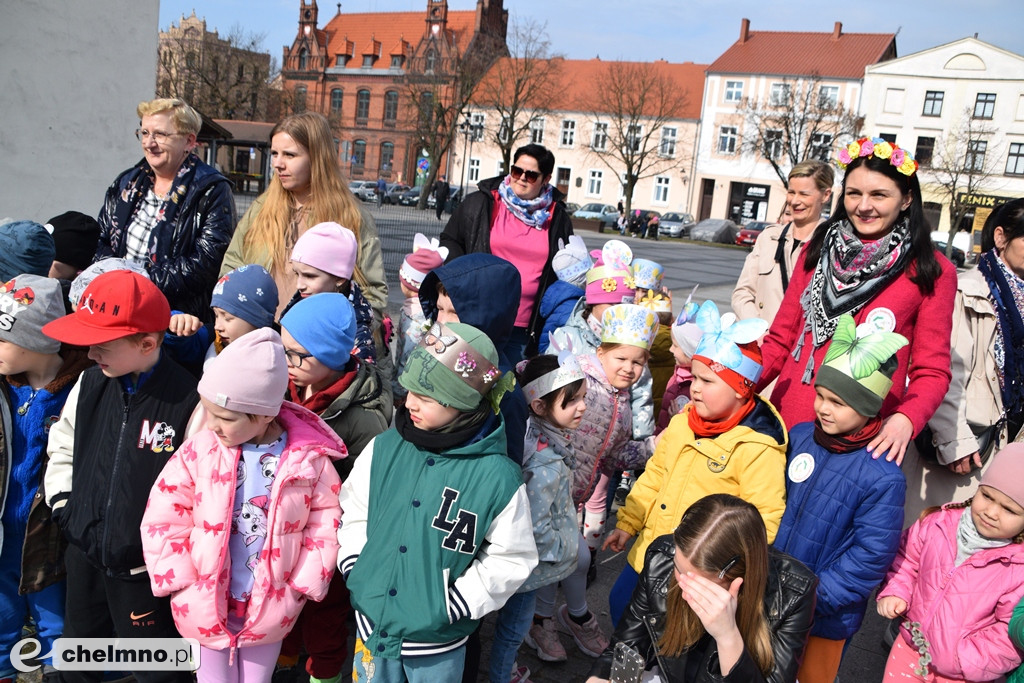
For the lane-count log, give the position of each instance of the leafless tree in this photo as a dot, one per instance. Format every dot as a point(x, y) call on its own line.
point(800, 119)
point(521, 87)
point(963, 165)
point(632, 106)
point(223, 77)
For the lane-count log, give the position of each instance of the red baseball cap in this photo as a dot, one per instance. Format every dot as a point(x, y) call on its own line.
point(116, 304)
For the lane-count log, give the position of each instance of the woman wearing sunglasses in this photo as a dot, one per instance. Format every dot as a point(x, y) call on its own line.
point(714, 603)
point(520, 218)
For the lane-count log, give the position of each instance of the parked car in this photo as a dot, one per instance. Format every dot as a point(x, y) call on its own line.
point(394, 191)
point(364, 189)
point(957, 256)
point(720, 230)
point(571, 207)
point(597, 211)
point(410, 197)
point(453, 192)
point(675, 224)
point(748, 233)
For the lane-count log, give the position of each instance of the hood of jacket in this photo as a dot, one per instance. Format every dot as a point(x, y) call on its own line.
point(466, 278)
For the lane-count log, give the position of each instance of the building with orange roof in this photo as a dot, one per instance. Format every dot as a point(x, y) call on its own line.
point(577, 126)
point(356, 70)
point(734, 181)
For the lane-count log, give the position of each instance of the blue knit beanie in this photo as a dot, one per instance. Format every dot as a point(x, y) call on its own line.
point(249, 293)
point(325, 324)
point(25, 247)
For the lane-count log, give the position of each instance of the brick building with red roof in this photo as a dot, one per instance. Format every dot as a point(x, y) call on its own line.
point(356, 69)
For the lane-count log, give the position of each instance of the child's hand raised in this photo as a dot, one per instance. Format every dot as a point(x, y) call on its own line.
point(891, 606)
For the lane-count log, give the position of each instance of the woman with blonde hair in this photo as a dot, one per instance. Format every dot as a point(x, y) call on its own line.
point(306, 190)
point(733, 610)
point(170, 212)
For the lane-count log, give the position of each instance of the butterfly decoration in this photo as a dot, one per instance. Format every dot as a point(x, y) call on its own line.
point(866, 346)
point(689, 310)
point(723, 334)
point(439, 341)
point(421, 241)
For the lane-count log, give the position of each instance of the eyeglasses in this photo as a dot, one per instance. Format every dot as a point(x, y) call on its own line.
point(531, 176)
point(159, 136)
point(294, 358)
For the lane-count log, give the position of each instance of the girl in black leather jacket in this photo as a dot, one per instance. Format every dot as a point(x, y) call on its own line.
point(739, 611)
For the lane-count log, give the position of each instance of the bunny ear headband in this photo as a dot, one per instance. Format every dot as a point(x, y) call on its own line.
point(421, 241)
point(568, 370)
point(723, 336)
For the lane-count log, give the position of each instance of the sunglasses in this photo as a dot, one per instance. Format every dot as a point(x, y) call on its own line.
point(517, 173)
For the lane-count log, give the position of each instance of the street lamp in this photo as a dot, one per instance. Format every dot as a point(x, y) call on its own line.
point(470, 130)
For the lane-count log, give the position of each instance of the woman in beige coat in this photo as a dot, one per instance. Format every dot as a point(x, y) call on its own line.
point(762, 282)
point(987, 358)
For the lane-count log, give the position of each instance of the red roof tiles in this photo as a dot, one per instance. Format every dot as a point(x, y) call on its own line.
point(388, 28)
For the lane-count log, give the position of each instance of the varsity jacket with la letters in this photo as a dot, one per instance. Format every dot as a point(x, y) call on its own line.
point(431, 542)
point(106, 451)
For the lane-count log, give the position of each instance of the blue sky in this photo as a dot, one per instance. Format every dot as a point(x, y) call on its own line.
point(644, 30)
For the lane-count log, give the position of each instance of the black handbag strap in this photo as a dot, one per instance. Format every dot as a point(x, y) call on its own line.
point(780, 257)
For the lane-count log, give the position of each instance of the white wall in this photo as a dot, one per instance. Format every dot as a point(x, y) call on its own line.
point(73, 73)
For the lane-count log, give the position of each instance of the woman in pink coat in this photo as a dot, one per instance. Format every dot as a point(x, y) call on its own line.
point(958, 575)
point(241, 526)
point(873, 259)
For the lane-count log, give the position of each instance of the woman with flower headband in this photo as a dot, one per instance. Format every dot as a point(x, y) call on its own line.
point(873, 259)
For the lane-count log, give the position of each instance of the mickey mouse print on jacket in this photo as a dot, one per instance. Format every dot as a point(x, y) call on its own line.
point(187, 527)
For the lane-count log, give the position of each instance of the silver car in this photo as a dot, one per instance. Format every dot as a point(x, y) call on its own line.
point(675, 224)
point(364, 189)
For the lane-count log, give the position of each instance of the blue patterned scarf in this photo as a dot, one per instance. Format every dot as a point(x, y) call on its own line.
point(533, 212)
point(1010, 327)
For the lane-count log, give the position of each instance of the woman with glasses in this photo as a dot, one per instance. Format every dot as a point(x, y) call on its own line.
point(520, 218)
point(715, 603)
point(171, 212)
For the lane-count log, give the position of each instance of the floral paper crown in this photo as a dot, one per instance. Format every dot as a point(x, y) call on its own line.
point(568, 370)
point(629, 324)
point(877, 147)
point(722, 338)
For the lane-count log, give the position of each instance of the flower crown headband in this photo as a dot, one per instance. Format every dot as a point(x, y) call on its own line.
point(877, 147)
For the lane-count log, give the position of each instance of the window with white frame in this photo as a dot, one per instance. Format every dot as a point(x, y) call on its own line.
point(594, 183)
point(568, 138)
point(821, 146)
point(600, 141)
point(478, 126)
point(828, 96)
point(985, 105)
point(634, 133)
point(500, 166)
point(933, 103)
point(668, 141)
point(772, 143)
point(661, 184)
point(474, 170)
point(733, 91)
point(780, 94)
point(727, 140)
point(537, 131)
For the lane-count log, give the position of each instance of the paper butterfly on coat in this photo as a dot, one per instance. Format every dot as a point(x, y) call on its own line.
point(866, 346)
point(723, 336)
point(688, 313)
point(421, 241)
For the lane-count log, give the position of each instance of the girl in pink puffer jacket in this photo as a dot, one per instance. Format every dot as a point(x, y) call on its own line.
point(241, 526)
point(957, 578)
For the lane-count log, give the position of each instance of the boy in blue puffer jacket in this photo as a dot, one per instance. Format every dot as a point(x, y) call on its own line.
point(571, 263)
point(844, 509)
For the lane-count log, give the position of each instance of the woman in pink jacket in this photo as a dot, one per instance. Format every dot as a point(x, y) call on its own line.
point(873, 259)
point(241, 526)
point(958, 575)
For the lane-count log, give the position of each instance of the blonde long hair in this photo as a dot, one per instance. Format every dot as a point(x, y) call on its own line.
point(715, 531)
point(329, 197)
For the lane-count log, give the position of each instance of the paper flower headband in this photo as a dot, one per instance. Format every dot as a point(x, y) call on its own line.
point(883, 149)
point(568, 368)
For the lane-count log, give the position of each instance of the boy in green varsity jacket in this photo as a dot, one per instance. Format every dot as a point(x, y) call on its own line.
point(435, 527)
point(122, 421)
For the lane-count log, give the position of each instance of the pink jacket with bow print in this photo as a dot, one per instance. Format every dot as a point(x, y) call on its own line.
point(187, 524)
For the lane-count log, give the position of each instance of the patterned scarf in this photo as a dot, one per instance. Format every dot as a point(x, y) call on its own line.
point(1007, 293)
point(969, 540)
point(533, 212)
point(849, 274)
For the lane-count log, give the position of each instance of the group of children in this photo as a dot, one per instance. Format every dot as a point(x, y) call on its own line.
point(286, 483)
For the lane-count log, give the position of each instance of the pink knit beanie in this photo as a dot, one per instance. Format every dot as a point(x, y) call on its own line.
point(1006, 473)
point(416, 266)
point(249, 376)
point(328, 247)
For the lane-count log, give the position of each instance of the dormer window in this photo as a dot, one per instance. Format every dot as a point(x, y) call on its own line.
point(367, 61)
point(340, 61)
point(396, 61)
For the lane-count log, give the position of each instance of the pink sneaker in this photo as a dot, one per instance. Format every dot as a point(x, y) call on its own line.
point(589, 638)
point(520, 674)
point(544, 639)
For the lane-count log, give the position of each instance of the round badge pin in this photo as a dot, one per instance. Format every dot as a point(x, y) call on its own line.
point(882, 319)
point(801, 467)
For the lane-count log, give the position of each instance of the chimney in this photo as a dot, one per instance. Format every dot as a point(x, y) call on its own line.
point(837, 31)
point(744, 31)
